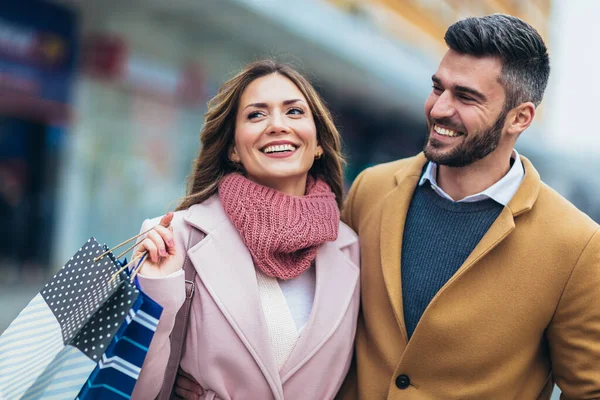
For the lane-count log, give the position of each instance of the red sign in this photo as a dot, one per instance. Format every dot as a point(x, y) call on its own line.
point(104, 56)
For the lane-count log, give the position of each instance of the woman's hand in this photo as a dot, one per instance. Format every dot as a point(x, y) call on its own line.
point(160, 245)
point(186, 387)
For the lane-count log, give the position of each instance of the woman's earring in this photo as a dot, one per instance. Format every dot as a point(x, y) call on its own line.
point(318, 155)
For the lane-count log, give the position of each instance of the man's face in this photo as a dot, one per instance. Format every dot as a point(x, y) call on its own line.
point(465, 110)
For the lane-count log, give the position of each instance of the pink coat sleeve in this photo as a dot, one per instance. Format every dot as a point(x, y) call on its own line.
point(169, 292)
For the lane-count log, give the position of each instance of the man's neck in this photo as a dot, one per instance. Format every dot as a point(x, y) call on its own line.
point(461, 182)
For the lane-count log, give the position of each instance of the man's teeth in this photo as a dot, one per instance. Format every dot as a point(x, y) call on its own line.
point(445, 132)
point(279, 148)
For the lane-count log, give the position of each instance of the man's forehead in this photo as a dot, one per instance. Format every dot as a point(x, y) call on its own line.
point(480, 73)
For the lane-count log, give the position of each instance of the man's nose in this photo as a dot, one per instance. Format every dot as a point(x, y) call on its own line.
point(443, 106)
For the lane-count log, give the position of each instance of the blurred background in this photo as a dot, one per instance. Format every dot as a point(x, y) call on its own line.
point(102, 102)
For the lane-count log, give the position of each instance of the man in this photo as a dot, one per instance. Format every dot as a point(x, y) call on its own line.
point(478, 280)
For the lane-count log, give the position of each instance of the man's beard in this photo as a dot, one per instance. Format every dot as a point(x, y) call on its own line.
point(470, 150)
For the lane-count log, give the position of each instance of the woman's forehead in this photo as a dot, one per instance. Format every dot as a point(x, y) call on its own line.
point(273, 88)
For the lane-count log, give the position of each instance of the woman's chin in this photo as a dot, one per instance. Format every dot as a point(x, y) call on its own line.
point(282, 179)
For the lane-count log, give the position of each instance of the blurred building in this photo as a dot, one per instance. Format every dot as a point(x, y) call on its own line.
point(38, 52)
point(422, 23)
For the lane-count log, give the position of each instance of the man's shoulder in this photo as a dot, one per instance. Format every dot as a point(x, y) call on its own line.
point(387, 172)
point(560, 210)
point(372, 185)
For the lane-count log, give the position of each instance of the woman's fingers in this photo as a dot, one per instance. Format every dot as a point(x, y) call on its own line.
point(187, 384)
point(158, 241)
point(186, 387)
point(149, 246)
point(166, 219)
point(185, 394)
point(167, 236)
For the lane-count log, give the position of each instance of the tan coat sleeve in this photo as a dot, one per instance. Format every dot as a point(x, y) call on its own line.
point(348, 211)
point(349, 389)
point(574, 332)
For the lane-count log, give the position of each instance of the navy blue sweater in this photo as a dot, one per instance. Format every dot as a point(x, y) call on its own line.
point(438, 237)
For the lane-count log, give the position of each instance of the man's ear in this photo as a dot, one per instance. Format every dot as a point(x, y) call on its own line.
point(520, 117)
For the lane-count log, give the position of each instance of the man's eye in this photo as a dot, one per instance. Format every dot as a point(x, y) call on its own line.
point(437, 89)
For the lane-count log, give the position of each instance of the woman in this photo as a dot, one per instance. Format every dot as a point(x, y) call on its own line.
point(276, 298)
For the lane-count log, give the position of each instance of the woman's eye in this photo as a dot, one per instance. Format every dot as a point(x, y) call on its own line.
point(254, 114)
point(296, 111)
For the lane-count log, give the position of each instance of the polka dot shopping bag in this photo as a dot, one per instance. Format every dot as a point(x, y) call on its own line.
point(84, 335)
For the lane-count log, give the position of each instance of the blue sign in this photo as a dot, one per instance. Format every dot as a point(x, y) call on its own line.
point(38, 47)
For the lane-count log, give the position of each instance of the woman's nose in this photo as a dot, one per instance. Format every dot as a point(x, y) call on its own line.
point(278, 124)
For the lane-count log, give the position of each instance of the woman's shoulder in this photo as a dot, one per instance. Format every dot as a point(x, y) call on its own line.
point(199, 211)
point(346, 236)
point(347, 242)
point(178, 219)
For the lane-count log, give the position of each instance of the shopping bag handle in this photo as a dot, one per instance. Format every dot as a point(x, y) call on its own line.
point(141, 257)
point(121, 245)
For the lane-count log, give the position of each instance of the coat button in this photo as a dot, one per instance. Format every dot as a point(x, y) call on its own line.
point(402, 381)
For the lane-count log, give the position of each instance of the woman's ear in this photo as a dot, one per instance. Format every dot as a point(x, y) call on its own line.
point(233, 156)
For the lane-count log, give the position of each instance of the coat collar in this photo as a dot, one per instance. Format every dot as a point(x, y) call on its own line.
point(528, 192)
point(393, 218)
point(522, 201)
point(227, 271)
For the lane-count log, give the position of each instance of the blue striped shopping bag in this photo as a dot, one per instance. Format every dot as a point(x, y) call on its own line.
point(116, 374)
point(63, 335)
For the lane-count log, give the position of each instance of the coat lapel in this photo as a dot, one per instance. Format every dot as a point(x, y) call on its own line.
point(521, 202)
point(393, 217)
point(499, 230)
point(336, 280)
point(226, 269)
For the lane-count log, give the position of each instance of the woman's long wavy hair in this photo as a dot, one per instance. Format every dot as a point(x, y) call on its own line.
point(217, 135)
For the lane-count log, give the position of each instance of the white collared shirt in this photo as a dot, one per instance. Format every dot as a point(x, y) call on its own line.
point(501, 191)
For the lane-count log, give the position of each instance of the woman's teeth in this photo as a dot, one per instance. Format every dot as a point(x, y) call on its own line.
point(279, 148)
point(445, 132)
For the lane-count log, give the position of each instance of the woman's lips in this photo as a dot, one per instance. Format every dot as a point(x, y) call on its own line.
point(281, 154)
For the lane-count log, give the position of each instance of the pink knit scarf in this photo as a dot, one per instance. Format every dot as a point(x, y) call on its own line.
point(281, 232)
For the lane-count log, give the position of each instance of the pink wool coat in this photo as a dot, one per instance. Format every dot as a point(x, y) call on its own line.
point(227, 349)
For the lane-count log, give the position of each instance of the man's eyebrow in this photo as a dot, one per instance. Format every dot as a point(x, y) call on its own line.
point(471, 91)
point(462, 89)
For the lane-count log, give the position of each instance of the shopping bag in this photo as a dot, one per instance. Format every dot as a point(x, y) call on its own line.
point(116, 374)
point(54, 344)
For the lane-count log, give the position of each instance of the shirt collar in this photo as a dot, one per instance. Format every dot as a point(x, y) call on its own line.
point(501, 191)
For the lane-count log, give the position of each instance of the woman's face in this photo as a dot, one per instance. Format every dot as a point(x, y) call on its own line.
point(275, 135)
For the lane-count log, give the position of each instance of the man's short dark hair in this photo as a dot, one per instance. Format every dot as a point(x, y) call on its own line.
point(525, 61)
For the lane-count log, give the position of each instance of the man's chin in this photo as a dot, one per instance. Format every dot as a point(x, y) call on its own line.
point(446, 158)
point(434, 153)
